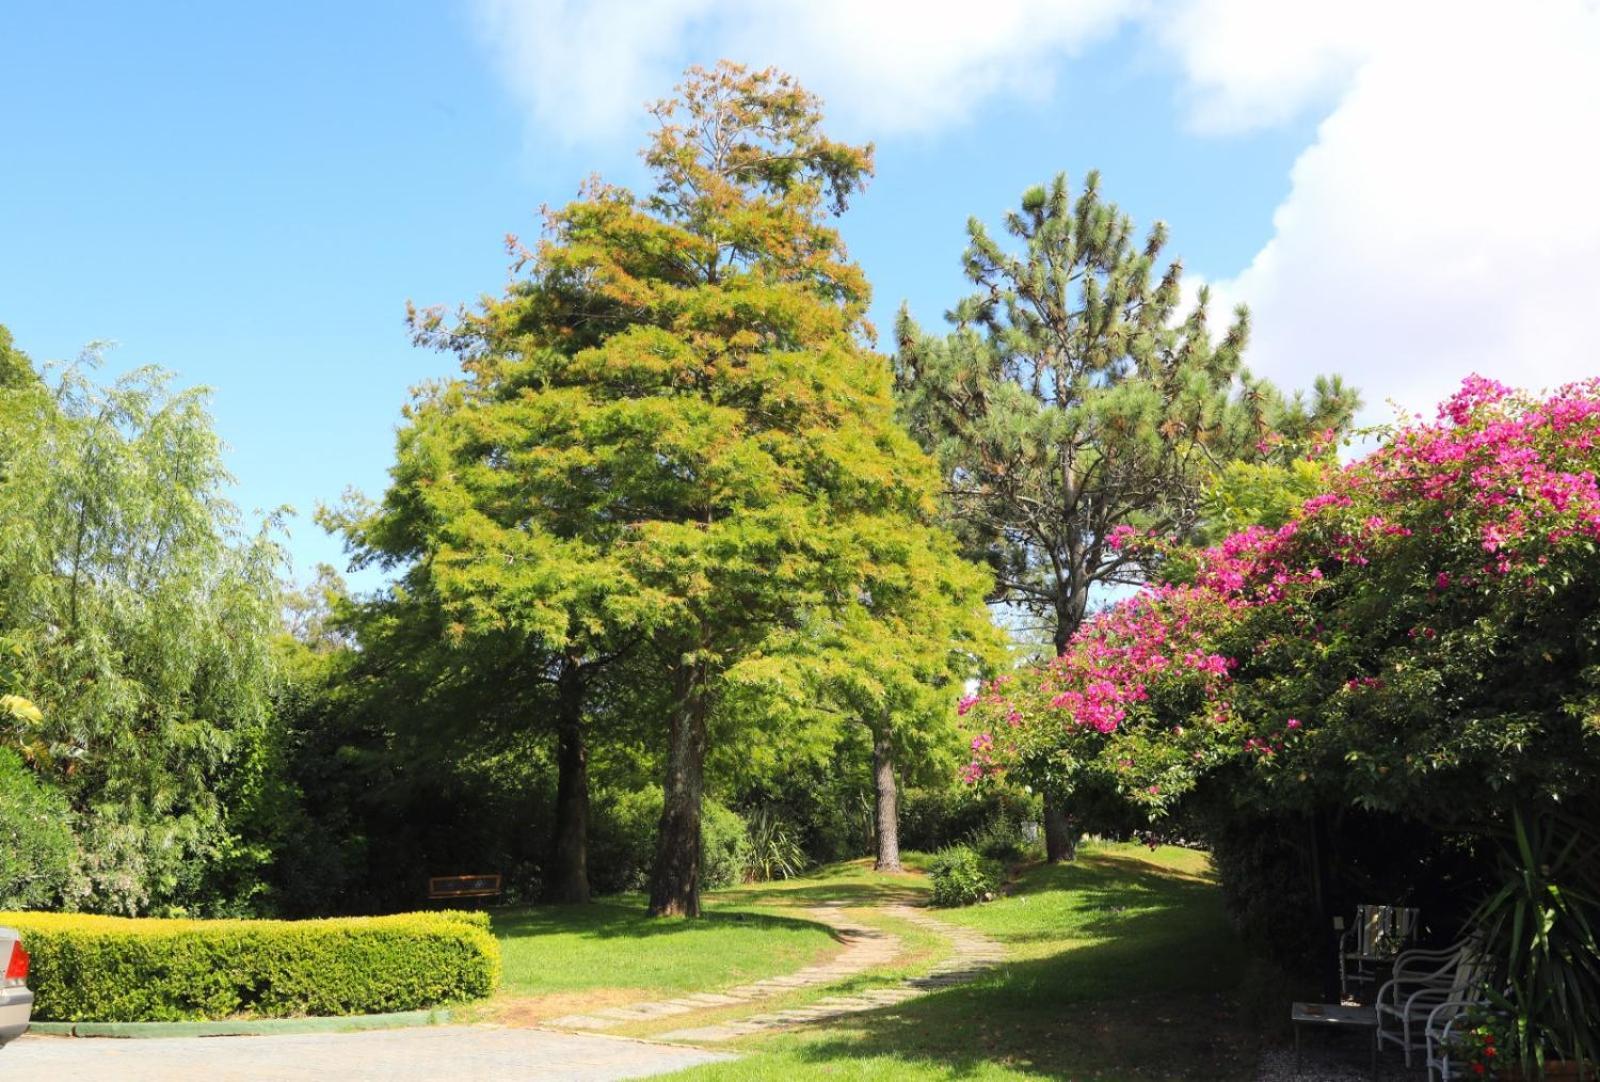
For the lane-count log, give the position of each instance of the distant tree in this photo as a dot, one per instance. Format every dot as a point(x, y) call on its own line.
point(137, 615)
point(670, 437)
point(1073, 399)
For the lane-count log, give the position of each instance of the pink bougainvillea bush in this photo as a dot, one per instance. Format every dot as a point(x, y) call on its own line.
point(1422, 637)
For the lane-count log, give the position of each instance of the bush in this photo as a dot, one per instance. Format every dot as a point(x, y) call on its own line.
point(622, 842)
point(37, 849)
point(775, 851)
point(1000, 838)
point(931, 819)
point(961, 876)
point(118, 969)
point(724, 846)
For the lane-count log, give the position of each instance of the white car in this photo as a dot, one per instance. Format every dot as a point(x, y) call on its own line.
point(16, 1001)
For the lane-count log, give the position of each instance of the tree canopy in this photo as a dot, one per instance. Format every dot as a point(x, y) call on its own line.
point(135, 614)
point(669, 436)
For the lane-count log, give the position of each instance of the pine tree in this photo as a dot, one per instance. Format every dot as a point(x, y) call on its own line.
point(1073, 398)
point(670, 437)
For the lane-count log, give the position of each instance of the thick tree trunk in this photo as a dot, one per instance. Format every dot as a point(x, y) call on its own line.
point(887, 810)
point(569, 879)
point(1060, 832)
point(675, 880)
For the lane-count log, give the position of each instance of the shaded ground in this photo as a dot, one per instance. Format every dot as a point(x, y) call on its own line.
point(1120, 966)
point(457, 1053)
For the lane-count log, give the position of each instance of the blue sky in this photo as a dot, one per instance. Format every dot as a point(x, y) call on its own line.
point(248, 196)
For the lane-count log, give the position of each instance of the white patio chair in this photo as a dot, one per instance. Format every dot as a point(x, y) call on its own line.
point(1372, 942)
point(1422, 981)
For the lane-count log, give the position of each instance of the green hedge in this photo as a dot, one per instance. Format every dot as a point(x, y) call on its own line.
point(117, 969)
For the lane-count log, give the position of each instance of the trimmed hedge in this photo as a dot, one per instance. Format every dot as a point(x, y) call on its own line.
point(119, 969)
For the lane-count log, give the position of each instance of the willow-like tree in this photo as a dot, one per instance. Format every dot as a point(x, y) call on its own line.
point(137, 616)
point(1073, 398)
point(670, 435)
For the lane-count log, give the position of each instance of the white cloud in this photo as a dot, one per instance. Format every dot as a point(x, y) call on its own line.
point(1446, 219)
point(884, 66)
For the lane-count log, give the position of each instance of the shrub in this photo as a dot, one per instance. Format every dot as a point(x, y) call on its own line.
point(724, 846)
point(37, 849)
point(622, 843)
point(1000, 838)
point(775, 851)
point(932, 818)
point(961, 876)
point(117, 969)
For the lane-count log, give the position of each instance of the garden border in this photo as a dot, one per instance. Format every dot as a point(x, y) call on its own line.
point(243, 1027)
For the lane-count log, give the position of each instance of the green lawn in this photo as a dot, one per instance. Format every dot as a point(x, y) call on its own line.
point(1120, 966)
point(569, 957)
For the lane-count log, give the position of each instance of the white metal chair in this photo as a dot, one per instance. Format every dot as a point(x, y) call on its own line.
point(1424, 980)
point(1371, 944)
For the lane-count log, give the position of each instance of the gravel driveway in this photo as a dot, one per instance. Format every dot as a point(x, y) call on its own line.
point(456, 1053)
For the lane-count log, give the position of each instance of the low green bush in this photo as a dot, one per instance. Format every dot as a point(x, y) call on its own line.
point(962, 876)
point(119, 969)
point(1000, 838)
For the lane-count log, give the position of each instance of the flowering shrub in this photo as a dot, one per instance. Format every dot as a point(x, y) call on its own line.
point(1419, 637)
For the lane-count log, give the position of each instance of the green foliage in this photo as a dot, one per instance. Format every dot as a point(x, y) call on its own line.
point(999, 838)
point(623, 840)
point(37, 850)
point(724, 846)
point(932, 817)
point(112, 969)
point(670, 440)
point(135, 615)
point(1541, 932)
point(774, 850)
point(1265, 493)
point(1073, 397)
point(962, 876)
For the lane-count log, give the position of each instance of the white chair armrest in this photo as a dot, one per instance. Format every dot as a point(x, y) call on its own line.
point(1456, 1007)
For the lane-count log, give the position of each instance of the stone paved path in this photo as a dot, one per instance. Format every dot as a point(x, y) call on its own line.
point(974, 953)
point(864, 949)
point(432, 1053)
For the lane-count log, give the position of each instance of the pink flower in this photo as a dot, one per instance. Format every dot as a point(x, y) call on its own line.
point(1292, 723)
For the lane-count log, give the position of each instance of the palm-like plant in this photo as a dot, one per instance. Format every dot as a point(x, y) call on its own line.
point(1540, 930)
point(775, 852)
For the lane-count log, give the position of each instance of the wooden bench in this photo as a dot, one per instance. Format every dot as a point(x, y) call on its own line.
point(453, 887)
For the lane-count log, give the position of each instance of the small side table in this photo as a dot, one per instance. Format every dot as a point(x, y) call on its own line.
point(1337, 1016)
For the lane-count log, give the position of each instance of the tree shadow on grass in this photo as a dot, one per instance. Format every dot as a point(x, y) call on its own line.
point(1154, 985)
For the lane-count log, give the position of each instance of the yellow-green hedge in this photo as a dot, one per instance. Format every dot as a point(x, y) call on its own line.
point(117, 969)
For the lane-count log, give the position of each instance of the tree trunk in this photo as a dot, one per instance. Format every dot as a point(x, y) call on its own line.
point(887, 812)
point(1060, 833)
point(569, 880)
point(675, 879)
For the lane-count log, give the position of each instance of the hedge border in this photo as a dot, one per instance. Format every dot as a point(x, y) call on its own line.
point(244, 1027)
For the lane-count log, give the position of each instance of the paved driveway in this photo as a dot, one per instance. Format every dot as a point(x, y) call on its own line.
point(435, 1053)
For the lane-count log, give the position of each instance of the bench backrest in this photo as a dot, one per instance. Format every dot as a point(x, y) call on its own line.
point(463, 886)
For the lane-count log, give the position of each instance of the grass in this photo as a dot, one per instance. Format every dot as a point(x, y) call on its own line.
point(1120, 966)
point(561, 959)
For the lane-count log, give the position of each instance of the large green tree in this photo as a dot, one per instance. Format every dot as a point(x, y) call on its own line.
point(670, 439)
point(136, 614)
point(1074, 398)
